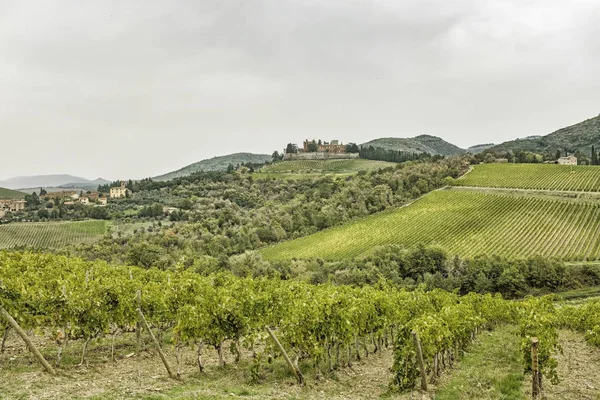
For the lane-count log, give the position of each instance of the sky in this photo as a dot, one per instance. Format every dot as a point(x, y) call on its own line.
point(131, 89)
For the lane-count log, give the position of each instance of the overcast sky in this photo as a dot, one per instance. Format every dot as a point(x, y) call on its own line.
point(129, 89)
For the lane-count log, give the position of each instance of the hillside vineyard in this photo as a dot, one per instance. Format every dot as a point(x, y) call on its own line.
point(534, 176)
point(465, 223)
point(51, 234)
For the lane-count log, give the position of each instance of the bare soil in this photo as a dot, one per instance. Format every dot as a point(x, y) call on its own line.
point(578, 370)
point(144, 376)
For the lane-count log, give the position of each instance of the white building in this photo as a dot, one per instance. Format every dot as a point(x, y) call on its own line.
point(570, 160)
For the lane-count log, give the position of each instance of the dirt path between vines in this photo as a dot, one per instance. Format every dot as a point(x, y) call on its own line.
point(578, 370)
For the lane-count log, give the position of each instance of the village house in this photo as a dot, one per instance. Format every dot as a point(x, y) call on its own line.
point(13, 205)
point(102, 201)
point(119, 191)
point(570, 160)
point(84, 200)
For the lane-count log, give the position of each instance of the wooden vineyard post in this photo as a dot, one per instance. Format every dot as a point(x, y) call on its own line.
point(156, 343)
point(27, 341)
point(535, 370)
point(138, 324)
point(420, 360)
point(297, 372)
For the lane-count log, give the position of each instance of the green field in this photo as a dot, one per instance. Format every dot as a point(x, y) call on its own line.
point(51, 234)
point(325, 166)
point(534, 176)
point(464, 223)
point(11, 194)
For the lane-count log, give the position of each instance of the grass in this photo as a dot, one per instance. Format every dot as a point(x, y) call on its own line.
point(534, 176)
point(492, 369)
point(466, 223)
point(324, 166)
point(11, 194)
point(51, 234)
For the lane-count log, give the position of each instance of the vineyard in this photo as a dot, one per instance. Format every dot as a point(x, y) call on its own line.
point(325, 166)
point(308, 328)
point(534, 176)
point(464, 223)
point(50, 234)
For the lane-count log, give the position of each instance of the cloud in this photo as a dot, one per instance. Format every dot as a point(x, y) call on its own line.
point(137, 88)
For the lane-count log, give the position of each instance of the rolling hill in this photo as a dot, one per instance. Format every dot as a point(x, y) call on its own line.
point(419, 144)
point(578, 137)
point(479, 148)
point(215, 164)
point(11, 194)
point(37, 181)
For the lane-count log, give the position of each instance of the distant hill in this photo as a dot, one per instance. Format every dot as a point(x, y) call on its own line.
point(479, 148)
point(578, 137)
point(215, 164)
point(44, 181)
point(10, 194)
point(419, 144)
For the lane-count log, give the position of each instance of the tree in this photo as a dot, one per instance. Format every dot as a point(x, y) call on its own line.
point(32, 200)
point(291, 148)
point(43, 213)
point(230, 168)
point(352, 148)
point(594, 160)
point(43, 191)
point(313, 147)
point(99, 213)
point(276, 156)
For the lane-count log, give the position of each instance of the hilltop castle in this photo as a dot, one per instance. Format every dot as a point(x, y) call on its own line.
point(334, 147)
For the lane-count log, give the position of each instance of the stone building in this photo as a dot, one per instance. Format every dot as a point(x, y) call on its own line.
point(119, 191)
point(570, 160)
point(12, 206)
point(334, 147)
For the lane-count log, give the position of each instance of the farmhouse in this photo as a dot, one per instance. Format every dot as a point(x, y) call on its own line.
point(570, 160)
point(12, 205)
point(119, 191)
point(84, 200)
point(102, 201)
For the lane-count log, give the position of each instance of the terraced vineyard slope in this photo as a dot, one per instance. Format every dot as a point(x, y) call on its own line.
point(464, 223)
point(534, 176)
point(51, 234)
point(324, 166)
